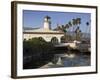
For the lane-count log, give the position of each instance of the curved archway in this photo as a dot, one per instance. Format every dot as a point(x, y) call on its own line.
point(24, 39)
point(41, 38)
point(54, 40)
point(63, 39)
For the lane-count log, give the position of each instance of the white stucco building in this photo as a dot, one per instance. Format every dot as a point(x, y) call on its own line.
point(45, 32)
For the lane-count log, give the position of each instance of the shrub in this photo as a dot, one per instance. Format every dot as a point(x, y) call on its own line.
point(39, 51)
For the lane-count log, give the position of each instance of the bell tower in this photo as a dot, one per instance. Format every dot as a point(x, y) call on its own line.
point(47, 23)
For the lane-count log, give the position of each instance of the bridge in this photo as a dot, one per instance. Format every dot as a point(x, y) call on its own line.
point(70, 44)
point(66, 45)
point(76, 45)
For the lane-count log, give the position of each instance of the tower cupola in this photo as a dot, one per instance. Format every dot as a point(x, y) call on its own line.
point(47, 23)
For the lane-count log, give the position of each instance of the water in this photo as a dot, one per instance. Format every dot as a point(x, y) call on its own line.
point(69, 60)
point(77, 60)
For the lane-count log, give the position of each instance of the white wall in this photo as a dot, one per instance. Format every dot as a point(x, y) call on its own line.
point(5, 40)
point(46, 37)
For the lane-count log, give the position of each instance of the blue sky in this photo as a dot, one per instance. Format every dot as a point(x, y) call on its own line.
point(35, 19)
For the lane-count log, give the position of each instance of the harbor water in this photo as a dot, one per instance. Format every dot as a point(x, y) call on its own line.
point(70, 59)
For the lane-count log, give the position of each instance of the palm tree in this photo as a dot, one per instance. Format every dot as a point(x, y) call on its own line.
point(70, 24)
point(58, 28)
point(63, 29)
point(87, 23)
point(78, 33)
point(79, 21)
point(88, 28)
point(66, 26)
point(74, 22)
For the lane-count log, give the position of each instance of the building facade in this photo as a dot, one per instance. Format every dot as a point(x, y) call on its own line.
point(45, 32)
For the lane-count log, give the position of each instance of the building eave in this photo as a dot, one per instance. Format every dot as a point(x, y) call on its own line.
point(43, 33)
